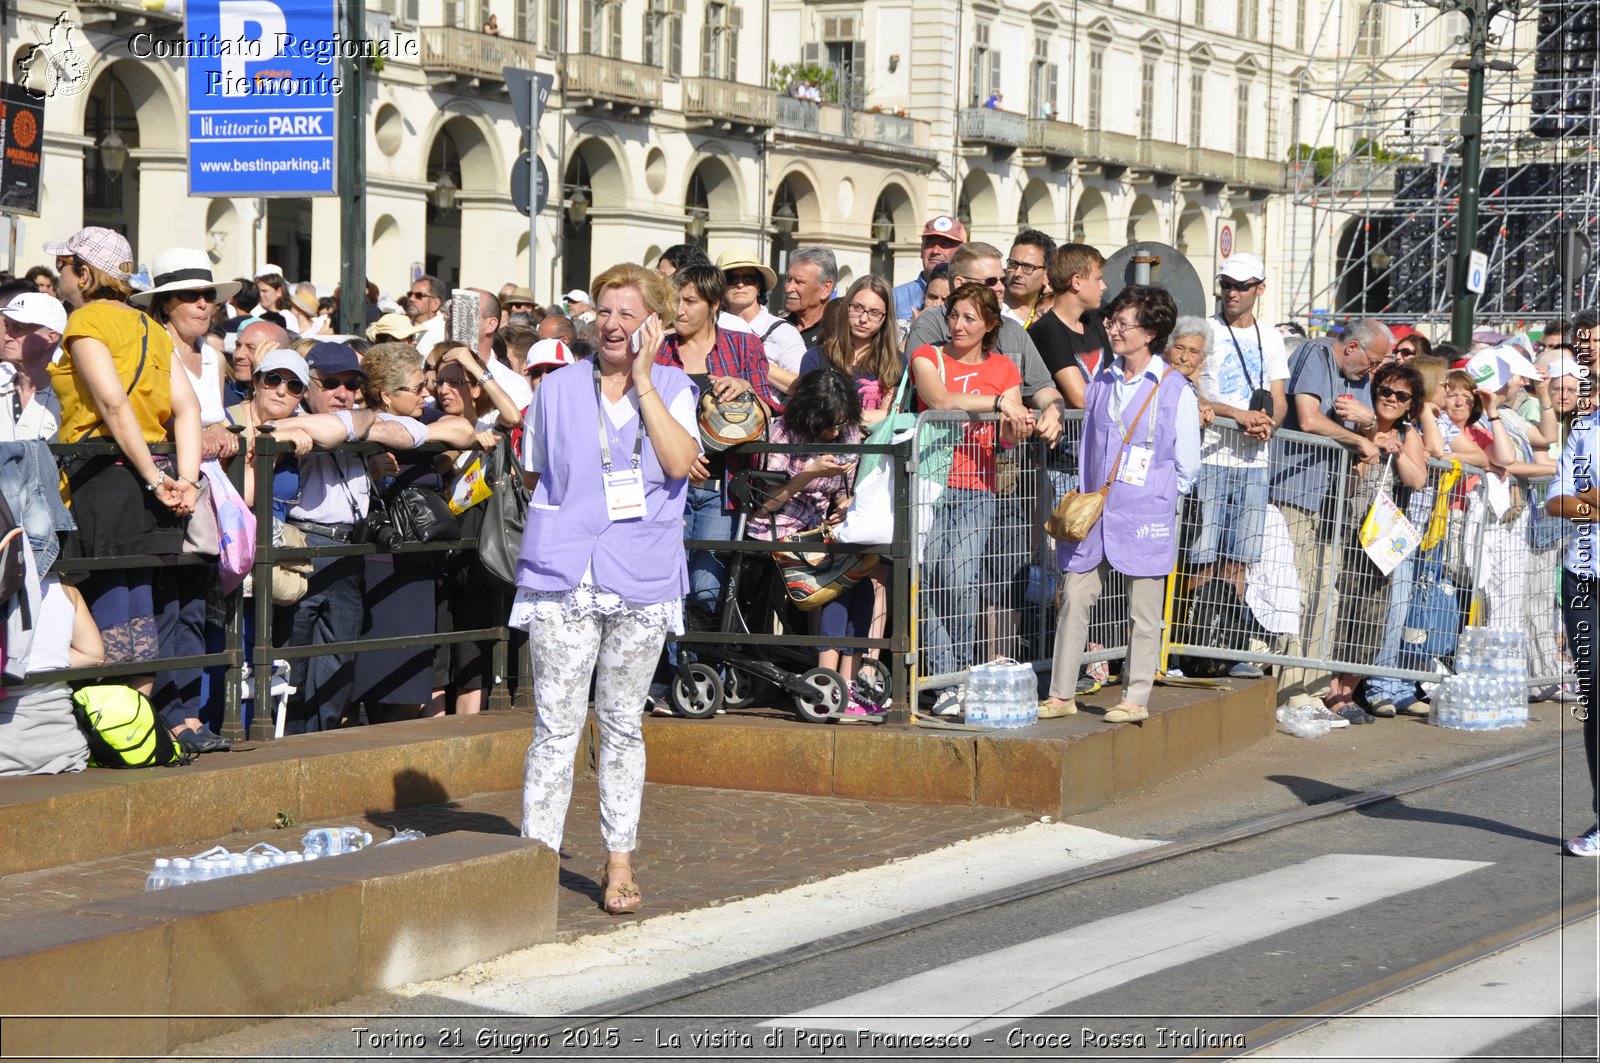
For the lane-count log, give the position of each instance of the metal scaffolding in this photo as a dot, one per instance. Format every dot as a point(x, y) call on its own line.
point(1377, 189)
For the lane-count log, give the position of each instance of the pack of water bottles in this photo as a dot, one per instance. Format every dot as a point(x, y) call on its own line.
point(1002, 693)
point(1489, 689)
point(217, 862)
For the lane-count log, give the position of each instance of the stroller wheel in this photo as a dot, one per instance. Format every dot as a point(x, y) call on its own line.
point(873, 682)
point(701, 696)
point(831, 694)
point(742, 690)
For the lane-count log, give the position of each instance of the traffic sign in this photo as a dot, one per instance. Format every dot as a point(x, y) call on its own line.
point(1477, 271)
point(261, 97)
point(1224, 242)
point(519, 186)
point(517, 85)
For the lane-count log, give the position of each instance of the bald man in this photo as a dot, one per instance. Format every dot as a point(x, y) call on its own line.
point(512, 382)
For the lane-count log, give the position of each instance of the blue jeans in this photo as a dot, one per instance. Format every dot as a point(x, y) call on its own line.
point(1402, 692)
point(331, 611)
point(180, 603)
point(1233, 514)
point(705, 517)
point(954, 558)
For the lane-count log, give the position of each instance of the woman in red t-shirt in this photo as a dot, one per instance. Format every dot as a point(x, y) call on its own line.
point(964, 514)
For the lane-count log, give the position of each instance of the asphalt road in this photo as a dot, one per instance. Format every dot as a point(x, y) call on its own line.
point(1216, 950)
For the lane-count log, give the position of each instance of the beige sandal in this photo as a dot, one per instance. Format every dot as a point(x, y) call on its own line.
point(1127, 712)
point(1053, 708)
point(620, 898)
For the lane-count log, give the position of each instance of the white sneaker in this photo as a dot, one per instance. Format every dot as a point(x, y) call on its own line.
point(1319, 711)
point(948, 703)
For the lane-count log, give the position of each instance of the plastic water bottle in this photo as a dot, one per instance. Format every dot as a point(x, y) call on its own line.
point(182, 872)
point(980, 694)
point(160, 876)
point(401, 836)
point(331, 841)
point(1027, 696)
point(260, 862)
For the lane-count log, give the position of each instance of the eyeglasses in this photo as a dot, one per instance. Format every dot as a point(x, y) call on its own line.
point(1027, 269)
point(332, 383)
point(1118, 325)
point(1391, 393)
point(988, 282)
point(752, 279)
point(409, 390)
point(295, 385)
point(1236, 286)
point(419, 295)
point(871, 315)
point(194, 295)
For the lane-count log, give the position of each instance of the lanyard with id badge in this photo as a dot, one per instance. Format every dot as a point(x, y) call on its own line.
point(624, 487)
point(1133, 462)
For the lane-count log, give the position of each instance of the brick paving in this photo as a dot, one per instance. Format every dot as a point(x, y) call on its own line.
point(698, 847)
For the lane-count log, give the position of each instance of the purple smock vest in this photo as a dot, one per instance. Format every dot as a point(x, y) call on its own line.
point(641, 560)
point(1138, 534)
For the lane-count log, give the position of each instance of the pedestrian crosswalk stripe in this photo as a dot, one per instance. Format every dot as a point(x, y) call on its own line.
point(1050, 972)
point(1463, 1013)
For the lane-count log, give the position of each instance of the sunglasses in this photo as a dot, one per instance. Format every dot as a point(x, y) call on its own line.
point(409, 390)
point(1236, 286)
point(328, 383)
point(194, 295)
point(295, 385)
point(1405, 352)
point(752, 279)
point(419, 295)
point(1391, 393)
point(451, 381)
point(988, 282)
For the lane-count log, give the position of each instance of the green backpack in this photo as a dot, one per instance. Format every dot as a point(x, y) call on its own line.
point(123, 729)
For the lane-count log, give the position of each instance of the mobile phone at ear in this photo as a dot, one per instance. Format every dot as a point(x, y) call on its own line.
point(636, 340)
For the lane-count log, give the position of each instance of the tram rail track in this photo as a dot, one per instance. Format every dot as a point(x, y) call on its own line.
point(1274, 1029)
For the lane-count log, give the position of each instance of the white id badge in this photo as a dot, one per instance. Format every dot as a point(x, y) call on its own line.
point(1135, 466)
point(624, 494)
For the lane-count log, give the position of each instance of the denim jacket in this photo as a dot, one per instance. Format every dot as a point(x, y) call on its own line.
point(32, 488)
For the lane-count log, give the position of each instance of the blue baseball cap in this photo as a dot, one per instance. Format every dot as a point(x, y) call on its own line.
point(333, 358)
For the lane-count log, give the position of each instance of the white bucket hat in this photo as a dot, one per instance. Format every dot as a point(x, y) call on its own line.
point(182, 269)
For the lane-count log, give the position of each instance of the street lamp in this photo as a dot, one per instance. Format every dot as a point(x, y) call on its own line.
point(444, 192)
point(697, 224)
point(784, 219)
point(577, 207)
point(882, 228)
point(113, 153)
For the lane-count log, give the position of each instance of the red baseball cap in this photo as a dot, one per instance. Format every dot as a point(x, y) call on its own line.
point(946, 228)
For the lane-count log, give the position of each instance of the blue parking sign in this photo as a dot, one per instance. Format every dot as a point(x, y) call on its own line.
point(263, 77)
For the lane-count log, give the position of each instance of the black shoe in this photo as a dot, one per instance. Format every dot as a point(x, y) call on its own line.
point(204, 740)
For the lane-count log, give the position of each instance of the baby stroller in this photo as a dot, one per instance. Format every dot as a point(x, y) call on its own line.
point(735, 674)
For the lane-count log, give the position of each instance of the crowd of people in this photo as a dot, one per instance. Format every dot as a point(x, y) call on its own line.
point(602, 407)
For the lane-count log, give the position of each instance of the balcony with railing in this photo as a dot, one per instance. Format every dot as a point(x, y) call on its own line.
point(1211, 165)
point(1061, 139)
point(1268, 174)
point(594, 80)
point(1163, 156)
point(729, 104)
point(989, 126)
point(1111, 149)
point(877, 130)
point(466, 53)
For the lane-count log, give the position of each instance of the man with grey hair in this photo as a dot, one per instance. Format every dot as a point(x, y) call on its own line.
point(1330, 395)
point(424, 304)
point(812, 276)
point(511, 382)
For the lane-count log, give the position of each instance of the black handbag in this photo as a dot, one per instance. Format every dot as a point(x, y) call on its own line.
point(505, 515)
point(421, 515)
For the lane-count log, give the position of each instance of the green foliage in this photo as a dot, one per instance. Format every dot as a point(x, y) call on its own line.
point(1321, 159)
point(788, 74)
point(1367, 148)
point(285, 819)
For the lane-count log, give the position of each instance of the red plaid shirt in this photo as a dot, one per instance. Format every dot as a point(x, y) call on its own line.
point(739, 354)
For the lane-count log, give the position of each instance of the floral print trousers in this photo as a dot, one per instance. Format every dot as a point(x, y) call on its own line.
point(566, 648)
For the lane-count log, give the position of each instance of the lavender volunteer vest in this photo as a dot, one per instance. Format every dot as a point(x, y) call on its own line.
point(1138, 534)
point(641, 560)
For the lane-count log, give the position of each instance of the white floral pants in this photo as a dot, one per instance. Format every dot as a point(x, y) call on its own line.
point(566, 648)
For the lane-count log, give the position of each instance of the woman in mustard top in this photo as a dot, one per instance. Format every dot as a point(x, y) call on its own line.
point(117, 379)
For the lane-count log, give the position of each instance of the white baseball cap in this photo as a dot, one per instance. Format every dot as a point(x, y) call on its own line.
point(1493, 367)
point(1243, 267)
point(37, 308)
point(286, 361)
point(577, 295)
point(549, 351)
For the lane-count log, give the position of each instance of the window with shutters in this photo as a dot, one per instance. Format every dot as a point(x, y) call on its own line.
point(719, 42)
point(1147, 98)
point(522, 18)
point(1200, 13)
point(614, 29)
point(552, 26)
point(845, 53)
point(1241, 121)
point(1042, 79)
point(985, 67)
point(452, 13)
point(1097, 84)
point(1369, 32)
point(1197, 108)
point(1301, 17)
point(674, 68)
point(483, 15)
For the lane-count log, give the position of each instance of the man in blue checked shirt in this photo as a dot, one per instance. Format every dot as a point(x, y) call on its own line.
point(1575, 497)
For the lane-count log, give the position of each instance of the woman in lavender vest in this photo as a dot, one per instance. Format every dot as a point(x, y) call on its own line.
point(1143, 409)
point(601, 577)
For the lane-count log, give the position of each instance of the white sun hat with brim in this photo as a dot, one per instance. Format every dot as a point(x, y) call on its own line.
point(182, 269)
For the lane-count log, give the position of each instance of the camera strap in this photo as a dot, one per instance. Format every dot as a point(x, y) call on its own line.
point(1243, 362)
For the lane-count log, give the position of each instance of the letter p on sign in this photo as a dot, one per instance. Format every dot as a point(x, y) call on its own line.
point(236, 18)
